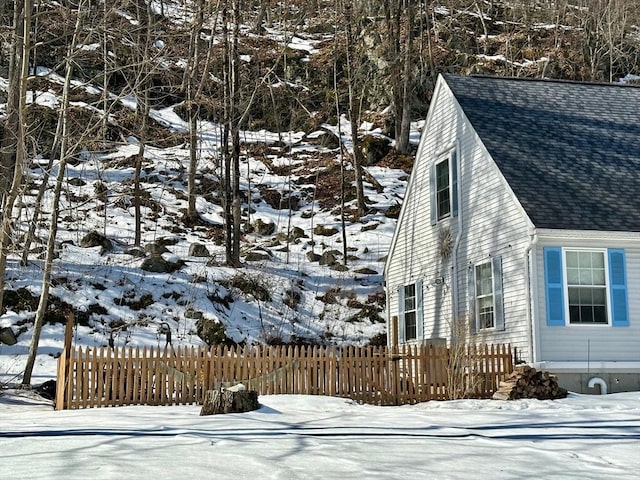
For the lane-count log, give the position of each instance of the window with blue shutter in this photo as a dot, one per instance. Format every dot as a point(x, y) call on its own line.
point(554, 286)
point(618, 288)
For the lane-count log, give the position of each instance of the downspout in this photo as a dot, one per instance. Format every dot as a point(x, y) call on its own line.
point(528, 274)
point(456, 243)
point(388, 309)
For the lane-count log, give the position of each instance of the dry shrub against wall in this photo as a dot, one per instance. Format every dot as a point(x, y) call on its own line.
point(463, 378)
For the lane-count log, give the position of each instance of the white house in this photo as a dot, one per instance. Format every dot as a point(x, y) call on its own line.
point(522, 218)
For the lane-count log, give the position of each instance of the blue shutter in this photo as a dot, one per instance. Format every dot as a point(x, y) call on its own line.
point(454, 183)
point(419, 314)
point(618, 285)
point(471, 298)
point(498, 300)
point(554, 286)
point(401, 335)
point(433, 194)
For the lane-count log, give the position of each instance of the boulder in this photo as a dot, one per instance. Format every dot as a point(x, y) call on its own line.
point(155, 248)
point(158, 264)
point(95, 239)
point(264, 228)
point(257, 256)
point(198, 250)
point(374, 148)
point(136, 252)
point(366, 271)
point(313, 256)
point(327, 258)
point(47, 390)
point(7, 336)
point(325, 231)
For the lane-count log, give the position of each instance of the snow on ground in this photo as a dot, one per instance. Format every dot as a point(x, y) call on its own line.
point(305, 437)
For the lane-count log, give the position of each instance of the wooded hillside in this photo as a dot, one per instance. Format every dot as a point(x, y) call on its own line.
point(216, 123)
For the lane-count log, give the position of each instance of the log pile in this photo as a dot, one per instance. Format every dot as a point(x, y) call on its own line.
point(526, 382)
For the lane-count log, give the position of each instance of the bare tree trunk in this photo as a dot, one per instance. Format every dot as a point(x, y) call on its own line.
point(354, 111)
point(192, 107)
point(143, 85)
point(341, 146)
point(226, 157)
point(10, 130)
point(53, 227)
point(235, 134)
point(105, 75)
point(392, 18)
point(22, 47)
point(402, 133)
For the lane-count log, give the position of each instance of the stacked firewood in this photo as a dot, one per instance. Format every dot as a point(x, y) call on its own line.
point(526, 382)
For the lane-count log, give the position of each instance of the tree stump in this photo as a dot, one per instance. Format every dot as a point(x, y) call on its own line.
point(236, 399)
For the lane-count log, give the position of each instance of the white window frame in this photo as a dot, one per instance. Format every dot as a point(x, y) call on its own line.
point(479, 324)
point(446, 158)
point(413, 311)
point(565, 286)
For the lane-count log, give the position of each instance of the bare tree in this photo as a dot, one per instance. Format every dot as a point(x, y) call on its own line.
point(17, 94)
point(354, 107)
point(190, 87)
point(143, 106)
point(234, 60)
point(231, 128)
point(53, 226)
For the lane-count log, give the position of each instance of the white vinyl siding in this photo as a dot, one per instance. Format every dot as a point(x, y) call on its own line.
point(493, 224)
point(413, 253)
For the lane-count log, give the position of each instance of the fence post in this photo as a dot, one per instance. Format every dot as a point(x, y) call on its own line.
point(395, 361)
point(64, 362)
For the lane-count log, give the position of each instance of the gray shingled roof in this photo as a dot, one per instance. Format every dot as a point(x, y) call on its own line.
point(570, 151)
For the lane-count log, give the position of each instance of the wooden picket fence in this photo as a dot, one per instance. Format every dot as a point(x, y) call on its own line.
point(101, 377)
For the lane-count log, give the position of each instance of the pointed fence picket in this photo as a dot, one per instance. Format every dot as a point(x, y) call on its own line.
point(101, 377)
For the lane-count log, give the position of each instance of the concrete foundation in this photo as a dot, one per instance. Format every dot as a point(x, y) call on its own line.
point(578, 382)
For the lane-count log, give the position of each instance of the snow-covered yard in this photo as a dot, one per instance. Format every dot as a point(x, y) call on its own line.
point(303, 437)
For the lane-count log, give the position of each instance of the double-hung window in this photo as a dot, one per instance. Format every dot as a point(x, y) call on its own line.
point(410, 312)
point(585, 287)
point(410, 332)
point(443, 189)
point(443, 185)
point(485, 295)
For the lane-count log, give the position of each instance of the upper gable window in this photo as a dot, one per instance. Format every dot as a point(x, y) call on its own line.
point(443, 186)
point(443, 189)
